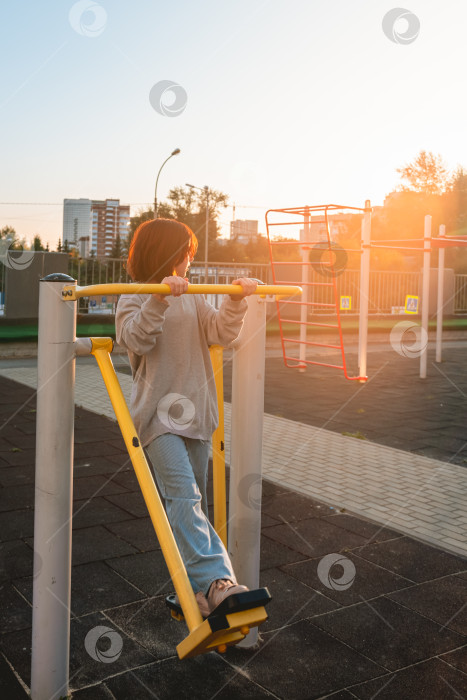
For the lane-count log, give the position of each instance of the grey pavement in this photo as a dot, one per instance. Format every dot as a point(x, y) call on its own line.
point(393, 449)
point(387, 620)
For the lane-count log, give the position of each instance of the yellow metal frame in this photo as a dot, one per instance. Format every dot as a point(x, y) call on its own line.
point(203, 635)
point(71, 292)
point(218, 448)
point(101, 349)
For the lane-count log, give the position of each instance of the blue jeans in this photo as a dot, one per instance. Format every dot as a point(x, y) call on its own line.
point(180, 466)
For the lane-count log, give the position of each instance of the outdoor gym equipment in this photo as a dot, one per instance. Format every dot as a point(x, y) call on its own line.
point(57, 349)
point(301, 216)
point(425, 245)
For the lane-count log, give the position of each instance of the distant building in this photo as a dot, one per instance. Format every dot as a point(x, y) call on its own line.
point(77, 224)
point(91, 226)
point(109, 217)
point(243, 230)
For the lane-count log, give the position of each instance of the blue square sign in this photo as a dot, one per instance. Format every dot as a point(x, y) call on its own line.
point(411, 304)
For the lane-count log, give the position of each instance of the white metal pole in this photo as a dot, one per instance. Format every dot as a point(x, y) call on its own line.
point(439, 311)
point(206, 268)
point(246, 449)
point(53, 491)
point(425, 296)
point(305, 250)
point(364, 290)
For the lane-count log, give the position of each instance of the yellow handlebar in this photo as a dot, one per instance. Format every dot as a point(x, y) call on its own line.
point(72, 292)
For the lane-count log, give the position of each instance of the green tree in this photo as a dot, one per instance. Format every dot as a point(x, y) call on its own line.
point(257, 250)
point(59, 245)
point(425, 189)
point(14, 242)
point(182, 205)
point(37, 243)
point(8, 233)
point(456, 218)
point(188, 206)
point(456, 203)
point(228, 251)
point(426, 174)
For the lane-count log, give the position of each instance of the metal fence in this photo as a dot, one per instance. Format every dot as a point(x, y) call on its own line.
point(386, 294)
point(387, 289)
point(460, 300)
point(93, 271)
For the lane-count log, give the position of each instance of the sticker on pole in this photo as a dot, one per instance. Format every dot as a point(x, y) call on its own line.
point(411, 304)
point(345, 303)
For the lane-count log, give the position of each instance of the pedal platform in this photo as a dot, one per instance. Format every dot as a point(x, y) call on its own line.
point(233, 603)
point(226, 625)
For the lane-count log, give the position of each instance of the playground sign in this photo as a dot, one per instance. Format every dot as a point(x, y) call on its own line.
point(346, 303)
point(411, 304)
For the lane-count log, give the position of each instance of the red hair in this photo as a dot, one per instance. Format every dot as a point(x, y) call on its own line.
point(157, 247)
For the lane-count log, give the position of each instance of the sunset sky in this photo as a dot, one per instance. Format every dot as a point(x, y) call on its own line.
point(287, 103)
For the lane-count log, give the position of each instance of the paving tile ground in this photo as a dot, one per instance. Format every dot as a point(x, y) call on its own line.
point(391, 478)
point(395, 629)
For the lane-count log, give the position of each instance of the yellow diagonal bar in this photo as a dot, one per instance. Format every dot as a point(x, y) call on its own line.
point(101, 347)
point(72, 292)
point(218, 448)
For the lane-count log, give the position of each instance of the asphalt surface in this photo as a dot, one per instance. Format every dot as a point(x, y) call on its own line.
point(396, 629)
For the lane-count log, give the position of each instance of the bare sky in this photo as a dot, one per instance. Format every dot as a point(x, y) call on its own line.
point(282, 103)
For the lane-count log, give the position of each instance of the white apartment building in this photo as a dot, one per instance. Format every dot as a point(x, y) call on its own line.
point(91, 226)
point(109, 217)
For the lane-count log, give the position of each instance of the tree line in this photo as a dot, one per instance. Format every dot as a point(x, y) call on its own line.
point(426, 187)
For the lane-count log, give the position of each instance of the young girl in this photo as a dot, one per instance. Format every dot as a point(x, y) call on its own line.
point(173, 399)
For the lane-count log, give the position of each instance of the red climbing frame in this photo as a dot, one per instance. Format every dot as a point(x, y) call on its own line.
point(306, 245)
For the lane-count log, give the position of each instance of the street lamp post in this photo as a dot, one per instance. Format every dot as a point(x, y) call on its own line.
point(204, 189)
point(174, 153)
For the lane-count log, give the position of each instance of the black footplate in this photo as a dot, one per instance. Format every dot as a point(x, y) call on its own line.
point(233, 603)
point(242, 601)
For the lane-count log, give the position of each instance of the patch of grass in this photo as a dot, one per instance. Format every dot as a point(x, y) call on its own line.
point(357, 435)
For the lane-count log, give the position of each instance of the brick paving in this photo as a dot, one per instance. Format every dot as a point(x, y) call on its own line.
point(397, 630)
point(409, 491)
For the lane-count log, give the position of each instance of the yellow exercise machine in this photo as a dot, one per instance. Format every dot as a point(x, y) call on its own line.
point(57, 352)
point(223, 627)
point(231, 621)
